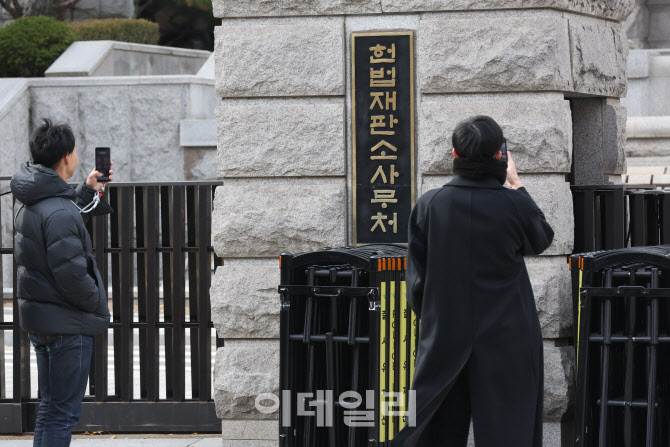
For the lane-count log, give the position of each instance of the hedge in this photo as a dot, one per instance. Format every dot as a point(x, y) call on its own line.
point(29, 45)
point(123, 30)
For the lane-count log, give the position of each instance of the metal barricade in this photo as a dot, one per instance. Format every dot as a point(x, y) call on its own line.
point(623, 347)
point(346, 328)
point(617, 216)
point(155, 257)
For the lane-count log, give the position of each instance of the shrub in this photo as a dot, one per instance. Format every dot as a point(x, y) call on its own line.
point(30, 45)
point(123, 30)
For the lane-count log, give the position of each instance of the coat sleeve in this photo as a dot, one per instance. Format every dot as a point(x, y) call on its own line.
point(417, 249)
point(84, 197)
point(538, 234)
point(67, 261)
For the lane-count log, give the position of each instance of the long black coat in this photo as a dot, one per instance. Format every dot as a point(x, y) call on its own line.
point(60, 289)
point(480, 344)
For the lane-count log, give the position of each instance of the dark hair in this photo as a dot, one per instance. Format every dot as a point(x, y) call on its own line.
point(50, 142)
point(478, 137)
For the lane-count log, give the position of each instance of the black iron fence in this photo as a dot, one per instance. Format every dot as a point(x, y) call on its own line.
point(156, 260)
point(623, 347)
point(618, 216)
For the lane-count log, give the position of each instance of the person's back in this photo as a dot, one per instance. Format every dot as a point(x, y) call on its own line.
point(480, 347)
point(61, 297)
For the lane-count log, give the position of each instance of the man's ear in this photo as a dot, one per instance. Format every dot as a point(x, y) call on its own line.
point(453, 151)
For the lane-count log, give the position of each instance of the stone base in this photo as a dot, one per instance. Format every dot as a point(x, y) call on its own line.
point(249, 430)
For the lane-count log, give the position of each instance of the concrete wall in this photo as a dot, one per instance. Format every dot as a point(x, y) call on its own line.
point(649, 83)
point(110, 58)
point(138, 117)
point(14, 117)
point(284, 151)
point(648, 107)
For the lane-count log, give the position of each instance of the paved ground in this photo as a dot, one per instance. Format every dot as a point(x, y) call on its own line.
point(125, 440)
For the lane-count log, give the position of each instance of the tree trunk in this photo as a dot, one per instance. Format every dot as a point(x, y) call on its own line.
point(13, 8)
point(63, 7)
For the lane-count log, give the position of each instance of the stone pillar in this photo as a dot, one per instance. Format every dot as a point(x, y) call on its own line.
point(284, 150)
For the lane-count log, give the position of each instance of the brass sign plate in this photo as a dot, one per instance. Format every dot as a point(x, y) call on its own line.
point(382, 98)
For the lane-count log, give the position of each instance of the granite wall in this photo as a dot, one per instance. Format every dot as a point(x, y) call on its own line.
point(284, 151)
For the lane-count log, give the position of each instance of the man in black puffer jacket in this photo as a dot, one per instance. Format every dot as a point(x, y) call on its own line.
point(62, 301)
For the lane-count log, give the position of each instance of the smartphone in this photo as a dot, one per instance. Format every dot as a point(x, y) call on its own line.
point(103, 162)
point(503, 150)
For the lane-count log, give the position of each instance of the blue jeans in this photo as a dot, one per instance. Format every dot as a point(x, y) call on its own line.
point(63, 364)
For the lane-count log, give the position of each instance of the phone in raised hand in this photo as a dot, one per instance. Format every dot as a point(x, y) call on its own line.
point(103, 162)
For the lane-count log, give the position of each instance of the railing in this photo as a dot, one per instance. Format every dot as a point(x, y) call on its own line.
point(618, 216)
point(155, 256)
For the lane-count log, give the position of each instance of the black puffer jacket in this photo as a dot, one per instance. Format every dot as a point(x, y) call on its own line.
point(59, 287)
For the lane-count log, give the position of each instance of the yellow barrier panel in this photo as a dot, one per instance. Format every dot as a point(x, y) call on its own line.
point(412, 362)
point(403, 350)
point(579, 317)
point(392, 313)
point(382, 363)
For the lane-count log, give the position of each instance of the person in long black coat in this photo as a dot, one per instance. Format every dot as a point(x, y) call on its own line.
point(480, 346)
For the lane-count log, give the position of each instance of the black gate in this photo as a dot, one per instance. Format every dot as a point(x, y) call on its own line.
point(156, 260)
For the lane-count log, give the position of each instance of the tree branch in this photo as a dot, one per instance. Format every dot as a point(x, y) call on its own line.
point(28, 8)
point(14, 9)
point(140, 7)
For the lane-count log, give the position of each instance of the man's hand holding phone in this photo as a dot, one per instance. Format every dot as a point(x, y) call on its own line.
point(512, 176)
point(92, 180)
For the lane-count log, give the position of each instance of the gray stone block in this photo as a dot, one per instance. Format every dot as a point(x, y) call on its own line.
point(614, 137)
point(197, 133)
point(252, 8)
point(245, 429)
point(638, 64)
point(156, 135)
point(550, 278)
point(245, 302)
point(559, 371)
point(611, 9)
point(265, 217)
point(80, 59)
point(588, 141)
point(598, 59)
point(278, 137)
point(243, 370)
point(200, 163)
point(538, 128)
point(15, 131)
point(106, 121)
point(552, 194)
point(512, 54)
point(305, 59)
